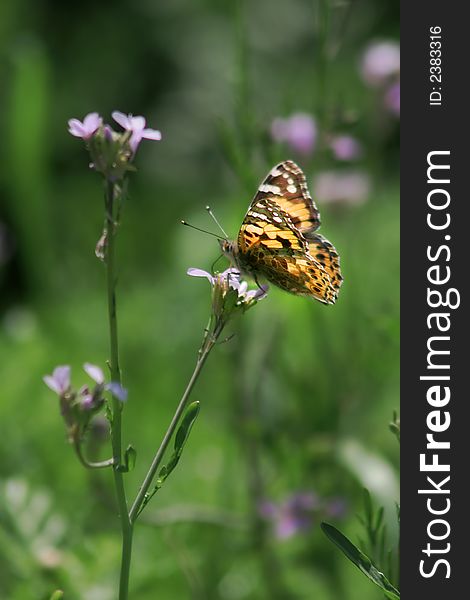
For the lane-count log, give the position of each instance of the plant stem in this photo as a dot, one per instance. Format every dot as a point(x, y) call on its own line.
point(207, 346)
point(116, 437)
point(88, 463)
point(246, 414)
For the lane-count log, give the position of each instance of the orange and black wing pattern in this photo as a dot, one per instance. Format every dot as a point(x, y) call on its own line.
point(277, 239)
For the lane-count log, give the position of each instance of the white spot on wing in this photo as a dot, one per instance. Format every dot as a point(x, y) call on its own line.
point(292, 189)
point(268, 188)
point(258, 215)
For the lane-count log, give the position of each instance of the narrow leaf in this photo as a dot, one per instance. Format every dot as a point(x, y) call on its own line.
point(181, 438)
point(185, 427)
point(362, 562)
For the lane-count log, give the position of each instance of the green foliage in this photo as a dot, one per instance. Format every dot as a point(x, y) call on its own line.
point(181, 437)
point(395, 426)
point(361, 560)
point(130, 456)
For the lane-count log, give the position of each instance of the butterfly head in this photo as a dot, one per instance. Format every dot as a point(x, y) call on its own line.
point(228, 248)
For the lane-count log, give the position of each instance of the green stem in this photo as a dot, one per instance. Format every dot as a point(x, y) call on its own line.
point(88, 463)
point(246, 413)
point(207, 346)
point(116, 437)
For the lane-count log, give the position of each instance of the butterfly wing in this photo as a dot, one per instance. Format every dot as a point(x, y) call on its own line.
point(287, 186)
point(272, 248)
point(277, 239)
point(323, 251)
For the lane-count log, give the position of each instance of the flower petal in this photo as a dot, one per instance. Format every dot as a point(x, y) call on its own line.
point(87, 401)
point(257, 294)
point(122, 119)
point(85, 130)
point(117, 391)
point(59, 381)
point(243, 288)
point(92, 121)
point(135, 140)
point(76, 127)
point(193, 272)
point(51, 383)
point(136, 123)
point(151, 134)
point(94, 372)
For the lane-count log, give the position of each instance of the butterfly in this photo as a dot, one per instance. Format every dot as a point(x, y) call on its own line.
point(278, 242)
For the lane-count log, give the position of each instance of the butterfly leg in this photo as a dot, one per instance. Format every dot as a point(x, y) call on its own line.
point(258, 283)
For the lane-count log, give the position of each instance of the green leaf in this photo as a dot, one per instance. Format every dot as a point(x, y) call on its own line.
point(130, 456)
point(181, 438)
point(362, 562)
point(185, 428)
point(57, 595)
point(394, 426)
point(379, 519)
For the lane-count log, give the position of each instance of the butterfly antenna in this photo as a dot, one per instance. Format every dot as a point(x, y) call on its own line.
point(199, 229)
point(209, 210)
point(215, 262)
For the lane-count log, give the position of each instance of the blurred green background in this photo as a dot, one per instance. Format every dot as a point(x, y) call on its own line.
point(300, 399)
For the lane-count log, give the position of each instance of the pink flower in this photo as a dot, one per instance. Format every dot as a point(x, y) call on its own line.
point(231, 277)
point(94, 372)
point(85, 130)
point(137, 126)
point(345, 147)
point(380, 62)
point(392, 99)
point(59, 381)
point(298, 512)
point(342, 187)
point(97, 375)
point(293, 515)
point(299, 131)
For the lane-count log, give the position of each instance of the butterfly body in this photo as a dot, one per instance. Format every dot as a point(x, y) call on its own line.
point(278, 242)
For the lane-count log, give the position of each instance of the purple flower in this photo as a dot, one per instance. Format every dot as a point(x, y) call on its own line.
point(231, 278)
point(297, 513)
point(85, 130)
point(380, 62)
point(117, 390)
point(342, 187)
point(345, 147)
point(194, 272)
point(299, 131)
point(59, 381)
point(88, 398)
point(294, 515)
point(94, 372)
point(97, 375)
point(137, 126)
point(392, 99)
